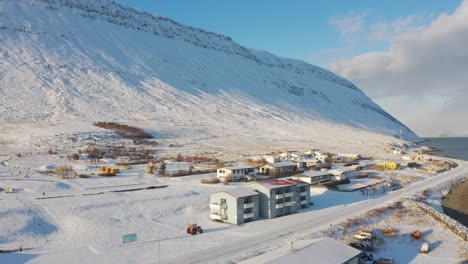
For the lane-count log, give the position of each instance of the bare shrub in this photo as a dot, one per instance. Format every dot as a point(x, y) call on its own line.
point(124, 131)
point(64, 171)
point(210, 181)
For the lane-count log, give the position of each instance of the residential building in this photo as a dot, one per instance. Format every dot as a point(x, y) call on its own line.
point(308, 163)
point(292, 155)
point(235, 206)
point(310, 153)
point(313, 177)
point(349, 157)
point(279, 169)
point(319, 152)
point(345, 172)
point(322, 250)
point(389, 165)
point(236, 173)
point(323, 157)
point(280, 197)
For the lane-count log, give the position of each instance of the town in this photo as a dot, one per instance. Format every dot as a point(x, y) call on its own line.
point(90, 173)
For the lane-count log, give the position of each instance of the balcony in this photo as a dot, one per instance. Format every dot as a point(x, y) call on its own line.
point(303, 202)
point(288, 203)
point(303, 193)
point(218, 217)
point(215, 206)
point(278, 206)
point(248, 205)
point(289, 194)
point(279, 196)
point(250, 215)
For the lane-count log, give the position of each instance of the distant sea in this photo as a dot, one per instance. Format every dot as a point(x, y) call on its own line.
point(452, 147)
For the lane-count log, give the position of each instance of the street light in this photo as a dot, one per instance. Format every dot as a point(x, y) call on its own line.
point(298, 205)
point(159, 247)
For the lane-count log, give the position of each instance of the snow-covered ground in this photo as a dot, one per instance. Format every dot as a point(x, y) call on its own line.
point(83, 220)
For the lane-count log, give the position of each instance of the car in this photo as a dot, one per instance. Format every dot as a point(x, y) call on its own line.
point(367, 257)
point(383, 261)
point(363, 235)
point(424, 248)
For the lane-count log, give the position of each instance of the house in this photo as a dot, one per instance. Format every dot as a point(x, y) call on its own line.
point(310, 153)
point(313, 177)
point(292, 155)
point(323, 157)
point(406, 157)
point(399, 151)
point(389, 165)
point(320, 152)
point(280, 197)
point(236, 173)
point(350, 157)
point(234, 206)
point(338, 159)
point(344, 172)
point(307, 163)
point(279, 169)
point(322, 250)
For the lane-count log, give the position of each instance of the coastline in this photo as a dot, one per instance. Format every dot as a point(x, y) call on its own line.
point(454, 202)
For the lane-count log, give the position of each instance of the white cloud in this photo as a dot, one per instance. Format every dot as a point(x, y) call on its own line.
point(349, 24)
point(385, 30)
point(426, 67)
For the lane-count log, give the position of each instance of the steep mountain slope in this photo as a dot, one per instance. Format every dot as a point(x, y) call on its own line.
point(100, 60)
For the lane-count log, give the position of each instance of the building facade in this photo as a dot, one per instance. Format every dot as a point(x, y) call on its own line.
point(280, 169)
point(282, 197)
point(236, 173)
point(314, 177)
point(236, 206)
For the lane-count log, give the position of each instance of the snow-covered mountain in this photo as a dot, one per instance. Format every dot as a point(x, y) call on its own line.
point(101, 60)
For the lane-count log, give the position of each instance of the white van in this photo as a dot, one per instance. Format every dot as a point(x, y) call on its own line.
point(424, 248)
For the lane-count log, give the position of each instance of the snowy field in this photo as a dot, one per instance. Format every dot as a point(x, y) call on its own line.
point(84, 219)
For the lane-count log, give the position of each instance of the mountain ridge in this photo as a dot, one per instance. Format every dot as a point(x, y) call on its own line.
point(160, 66)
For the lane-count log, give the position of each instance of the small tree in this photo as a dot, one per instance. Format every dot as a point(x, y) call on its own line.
point(75, 156)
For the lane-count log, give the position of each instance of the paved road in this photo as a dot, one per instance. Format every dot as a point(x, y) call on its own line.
point(306, 222)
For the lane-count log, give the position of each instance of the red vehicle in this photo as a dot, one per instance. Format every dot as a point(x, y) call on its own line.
point(193, 229)
point(416, 234)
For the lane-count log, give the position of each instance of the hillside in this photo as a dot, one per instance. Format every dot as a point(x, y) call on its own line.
point(77, 60)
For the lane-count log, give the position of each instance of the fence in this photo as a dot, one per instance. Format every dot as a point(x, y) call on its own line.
point(454, 226)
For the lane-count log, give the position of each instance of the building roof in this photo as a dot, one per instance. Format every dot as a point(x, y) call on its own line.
point(239, 192)
point(322, 250)
point(276, 183)
point(282, 164)
point(348, 155)
point(313, 173)
point(240, 167)
point(341, 170)
point(299, 182)
point(308, 160)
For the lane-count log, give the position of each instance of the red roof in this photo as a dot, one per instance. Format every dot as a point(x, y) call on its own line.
point(278, 182)
point(299, 182)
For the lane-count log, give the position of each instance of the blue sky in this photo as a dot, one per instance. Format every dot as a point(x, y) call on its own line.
point(298, 29)
point(409, 56)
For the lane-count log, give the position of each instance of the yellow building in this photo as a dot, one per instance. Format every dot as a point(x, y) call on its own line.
point(389, 165)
